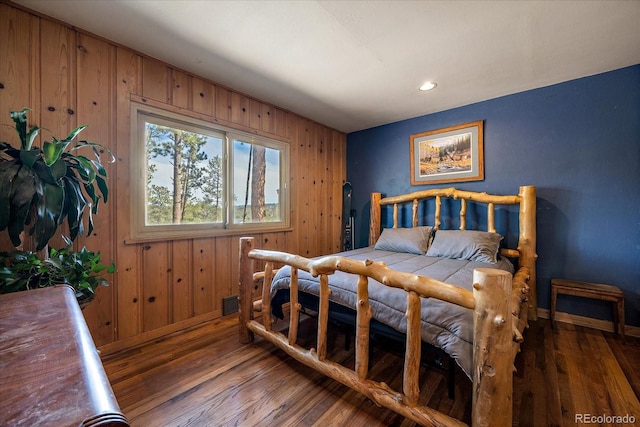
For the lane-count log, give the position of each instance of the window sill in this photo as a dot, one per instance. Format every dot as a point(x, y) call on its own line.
point(218, 233)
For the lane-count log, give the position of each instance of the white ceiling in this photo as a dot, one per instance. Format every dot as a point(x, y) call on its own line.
point(353, 65)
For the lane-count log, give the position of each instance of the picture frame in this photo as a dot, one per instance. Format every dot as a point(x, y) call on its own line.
point(451, 154)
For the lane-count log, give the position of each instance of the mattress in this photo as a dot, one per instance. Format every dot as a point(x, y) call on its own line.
point(444, 325)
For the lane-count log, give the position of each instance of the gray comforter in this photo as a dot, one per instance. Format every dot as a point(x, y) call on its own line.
point(445, 325)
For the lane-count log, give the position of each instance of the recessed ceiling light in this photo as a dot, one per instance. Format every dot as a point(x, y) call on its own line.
point(427, 86)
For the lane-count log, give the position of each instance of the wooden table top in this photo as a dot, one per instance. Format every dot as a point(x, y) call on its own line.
point(595, 287)
point(50, 371)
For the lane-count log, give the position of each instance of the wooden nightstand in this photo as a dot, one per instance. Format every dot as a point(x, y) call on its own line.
point(591, 290)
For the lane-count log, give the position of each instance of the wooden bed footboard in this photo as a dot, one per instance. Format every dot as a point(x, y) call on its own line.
point(497, 332)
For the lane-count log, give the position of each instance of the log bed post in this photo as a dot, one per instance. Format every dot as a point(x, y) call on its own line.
point(267, 320)
point(411, 374)
point(527, 243)
point(323, 317)
point(363, 324)
point(375, 226)
point(492, 398)
point(294, 307)
point(436, 216)
point(245, 289)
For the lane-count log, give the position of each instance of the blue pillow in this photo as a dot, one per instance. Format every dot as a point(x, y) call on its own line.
point(481, 246)
point(414, 240)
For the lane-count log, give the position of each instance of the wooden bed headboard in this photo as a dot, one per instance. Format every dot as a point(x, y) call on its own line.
point(525, 251)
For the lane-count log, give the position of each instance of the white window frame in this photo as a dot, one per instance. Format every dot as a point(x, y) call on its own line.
point(140, 231)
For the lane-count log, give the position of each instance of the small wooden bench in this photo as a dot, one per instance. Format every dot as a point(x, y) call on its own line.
point(591, 290)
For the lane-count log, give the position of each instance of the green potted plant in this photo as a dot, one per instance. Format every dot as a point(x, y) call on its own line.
point(82, 270)
point(40, 188)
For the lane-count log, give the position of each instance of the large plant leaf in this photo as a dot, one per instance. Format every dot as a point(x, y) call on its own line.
point(85, 169)
point(89, 222)
point(23, 187)
point(26, 138)
point(104, 189)
point(29, 157)
point(49, 212)
point(98, 149)
point(9, 151)
point(31, 136)
point(75, 203)
point(20, 119)
point(45, 173)
point(21, 196)
point(75, 132)
point(18, 218)
point(91, 192)
point(58, 170)
point(8, 171)
point(53, 150)
point(99, 168)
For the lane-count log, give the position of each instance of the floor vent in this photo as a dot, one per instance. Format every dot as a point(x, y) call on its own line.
point(229, 305)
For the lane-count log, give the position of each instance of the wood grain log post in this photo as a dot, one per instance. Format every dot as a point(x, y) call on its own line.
point(245, 289)
point(527, 243)
point(491, 217)
point(267, 320)
point(463, 214)
point(363, 324)
point(294, 307)
point(437, 221)
point(411, 374)
point(375, 225)
point(323, 317)
point(492, 398)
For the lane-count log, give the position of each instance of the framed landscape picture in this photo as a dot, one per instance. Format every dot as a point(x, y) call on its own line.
point(451, 154)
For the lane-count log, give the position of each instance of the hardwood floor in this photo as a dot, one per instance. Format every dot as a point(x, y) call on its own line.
point(204, 377)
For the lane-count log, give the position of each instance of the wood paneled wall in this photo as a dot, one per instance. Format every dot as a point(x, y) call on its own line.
point(69, 77)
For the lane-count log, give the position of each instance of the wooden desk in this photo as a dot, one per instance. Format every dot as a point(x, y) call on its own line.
point(50, 371)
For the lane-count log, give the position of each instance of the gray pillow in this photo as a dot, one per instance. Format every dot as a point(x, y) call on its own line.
point(471, 245)
point(414, 240)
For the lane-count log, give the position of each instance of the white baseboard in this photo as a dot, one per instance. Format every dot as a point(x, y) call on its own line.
point(574, 319)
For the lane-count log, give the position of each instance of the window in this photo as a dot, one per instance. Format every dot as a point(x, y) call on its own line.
point(192, 178)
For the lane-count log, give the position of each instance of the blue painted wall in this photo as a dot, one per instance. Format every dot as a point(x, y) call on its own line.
point(578, 142)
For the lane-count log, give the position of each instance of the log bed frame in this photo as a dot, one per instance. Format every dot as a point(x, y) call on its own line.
point(502, 306)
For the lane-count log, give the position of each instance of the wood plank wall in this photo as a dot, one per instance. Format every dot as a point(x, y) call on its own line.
point(69, 77)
